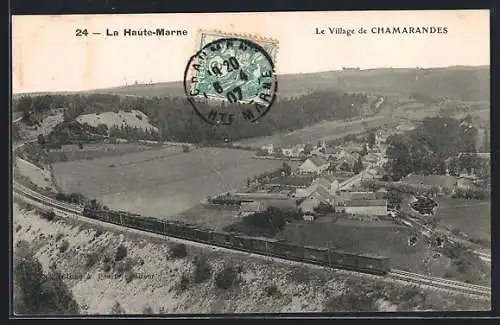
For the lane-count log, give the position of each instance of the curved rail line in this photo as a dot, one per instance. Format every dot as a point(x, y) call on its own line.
point(482, 292)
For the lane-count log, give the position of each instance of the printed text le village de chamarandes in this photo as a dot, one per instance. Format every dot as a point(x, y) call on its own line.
point(382, 30)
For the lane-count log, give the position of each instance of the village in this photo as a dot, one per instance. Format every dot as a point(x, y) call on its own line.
point(330, 177)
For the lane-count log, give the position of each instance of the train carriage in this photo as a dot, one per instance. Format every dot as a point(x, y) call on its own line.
point(221, 238)
point(282, 249)
point(173, 229)
point(141, 223)
point(250, 243)
point(316, 254)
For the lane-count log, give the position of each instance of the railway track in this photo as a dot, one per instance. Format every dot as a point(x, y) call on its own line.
point(442, 284)
point(70, 210)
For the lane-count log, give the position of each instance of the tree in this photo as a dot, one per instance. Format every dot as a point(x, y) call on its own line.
point(454, 167)
point(344, 167)
point(486, 140)
point(371, 139)
point(331, 167)
point(394, 199)
point(41, 140)
point(37, 293)
point(358, 166)
point(307, 149)
point(286, 169)
point(364, 151)
point(102, 129)
point(25, 105)
point(121, 253)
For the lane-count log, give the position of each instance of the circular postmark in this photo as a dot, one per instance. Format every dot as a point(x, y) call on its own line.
point(230, 79)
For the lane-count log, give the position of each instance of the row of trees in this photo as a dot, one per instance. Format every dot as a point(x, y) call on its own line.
point(177, 120)
point(425, 149)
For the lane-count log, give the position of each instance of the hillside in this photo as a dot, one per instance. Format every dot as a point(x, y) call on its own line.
point(460, 83)
point(149, 279)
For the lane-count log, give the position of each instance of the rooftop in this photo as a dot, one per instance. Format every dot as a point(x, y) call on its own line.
point(318, 161)
point(431, 180)
point(366, 203)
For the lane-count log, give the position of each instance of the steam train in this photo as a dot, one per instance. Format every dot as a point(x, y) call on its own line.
point(264, 246)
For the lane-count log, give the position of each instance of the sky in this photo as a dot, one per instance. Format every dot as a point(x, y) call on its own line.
point(48, 56)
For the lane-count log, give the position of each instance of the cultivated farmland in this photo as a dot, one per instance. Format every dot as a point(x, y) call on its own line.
point(157, 183)
point(328, 130)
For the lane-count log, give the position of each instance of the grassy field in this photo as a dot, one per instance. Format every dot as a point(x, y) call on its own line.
point(328, 130)
point(387, 239)
point(97, 150)
point(157, 183)
point(382, 238)
point(214, 217)
point(470, 216)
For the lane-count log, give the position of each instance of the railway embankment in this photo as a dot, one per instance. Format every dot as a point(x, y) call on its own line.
point(151, 277)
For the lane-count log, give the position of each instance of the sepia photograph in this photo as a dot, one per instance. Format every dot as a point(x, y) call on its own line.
point(258, 162)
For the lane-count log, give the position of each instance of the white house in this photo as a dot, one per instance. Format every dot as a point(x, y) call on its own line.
point(309, 204)
point(313, 200)
point(268, 147)
point(366, 207)
point(308, 217)
point(287, 152)
point(331, 184)
point(314, 165)
point(298, 149)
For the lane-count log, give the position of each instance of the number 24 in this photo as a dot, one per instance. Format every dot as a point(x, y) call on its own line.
point(81, 32)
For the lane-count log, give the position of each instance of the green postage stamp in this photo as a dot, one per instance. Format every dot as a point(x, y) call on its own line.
point(234, 70)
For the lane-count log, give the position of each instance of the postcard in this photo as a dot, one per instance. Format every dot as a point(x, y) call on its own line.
point(258, 162)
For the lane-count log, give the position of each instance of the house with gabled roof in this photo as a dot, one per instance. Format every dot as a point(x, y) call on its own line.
point(314, 164)
point(366, 207)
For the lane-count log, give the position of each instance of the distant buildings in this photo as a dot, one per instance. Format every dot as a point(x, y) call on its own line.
point(314, 164)
point(269, 148)
point(255, 196)
point(247, 208)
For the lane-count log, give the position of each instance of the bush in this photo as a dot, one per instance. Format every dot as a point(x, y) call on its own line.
point(129, 276)
point(98, 233)
point(202, 269)
point(48, 215)
point(226, 278)
point(183, 283)
point(148, 310)
point(271, 290)
point(59, 236)
point(123, 266)
point(117, 309)
point(64, 246)
point(351, 300)
point(91, 259)
point(18, 227)
point(185, 148)
point(178, 251)
point(121, 253)
point(106, 267)
point(36, 293)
